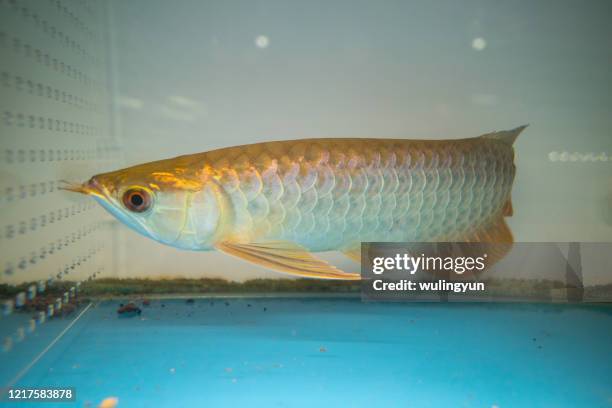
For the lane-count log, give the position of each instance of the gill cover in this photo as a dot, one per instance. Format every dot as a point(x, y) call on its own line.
point(180, 217)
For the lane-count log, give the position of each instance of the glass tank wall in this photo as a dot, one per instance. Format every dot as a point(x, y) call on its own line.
point(58, 121)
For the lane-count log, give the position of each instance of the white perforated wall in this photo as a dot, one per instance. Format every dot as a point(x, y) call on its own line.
point(56, 124)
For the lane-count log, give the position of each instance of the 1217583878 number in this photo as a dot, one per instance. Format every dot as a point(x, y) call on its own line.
point(39, 394)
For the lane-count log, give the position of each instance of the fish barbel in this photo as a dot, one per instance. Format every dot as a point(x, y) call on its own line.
point(275, 203)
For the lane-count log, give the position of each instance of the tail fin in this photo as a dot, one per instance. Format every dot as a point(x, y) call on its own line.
point(506, 136)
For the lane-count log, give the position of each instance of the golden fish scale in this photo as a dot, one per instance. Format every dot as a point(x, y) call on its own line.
point(329, 194)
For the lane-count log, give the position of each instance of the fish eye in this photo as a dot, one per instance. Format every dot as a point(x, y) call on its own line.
point(137, 200)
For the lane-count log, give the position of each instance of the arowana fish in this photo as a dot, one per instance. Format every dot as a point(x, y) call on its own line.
point(275, 203)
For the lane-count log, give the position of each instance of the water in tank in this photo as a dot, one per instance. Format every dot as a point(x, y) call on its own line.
point(336, 203)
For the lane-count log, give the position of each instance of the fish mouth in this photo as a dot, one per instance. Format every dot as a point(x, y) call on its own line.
point(90, 187)
point(102, 195)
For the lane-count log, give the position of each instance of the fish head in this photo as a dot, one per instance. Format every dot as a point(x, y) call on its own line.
point(172, 206)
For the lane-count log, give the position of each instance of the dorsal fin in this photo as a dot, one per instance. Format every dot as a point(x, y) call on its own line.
point(506, 136)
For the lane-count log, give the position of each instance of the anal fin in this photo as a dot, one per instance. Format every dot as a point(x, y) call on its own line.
point(492, 242)
point(496, 239)
point(285, 257)
point(508, 211)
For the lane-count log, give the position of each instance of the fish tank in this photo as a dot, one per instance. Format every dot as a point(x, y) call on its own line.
point(295, 204)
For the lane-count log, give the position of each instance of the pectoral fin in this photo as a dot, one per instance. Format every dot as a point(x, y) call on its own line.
point(353, 252)
point(285, 257)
